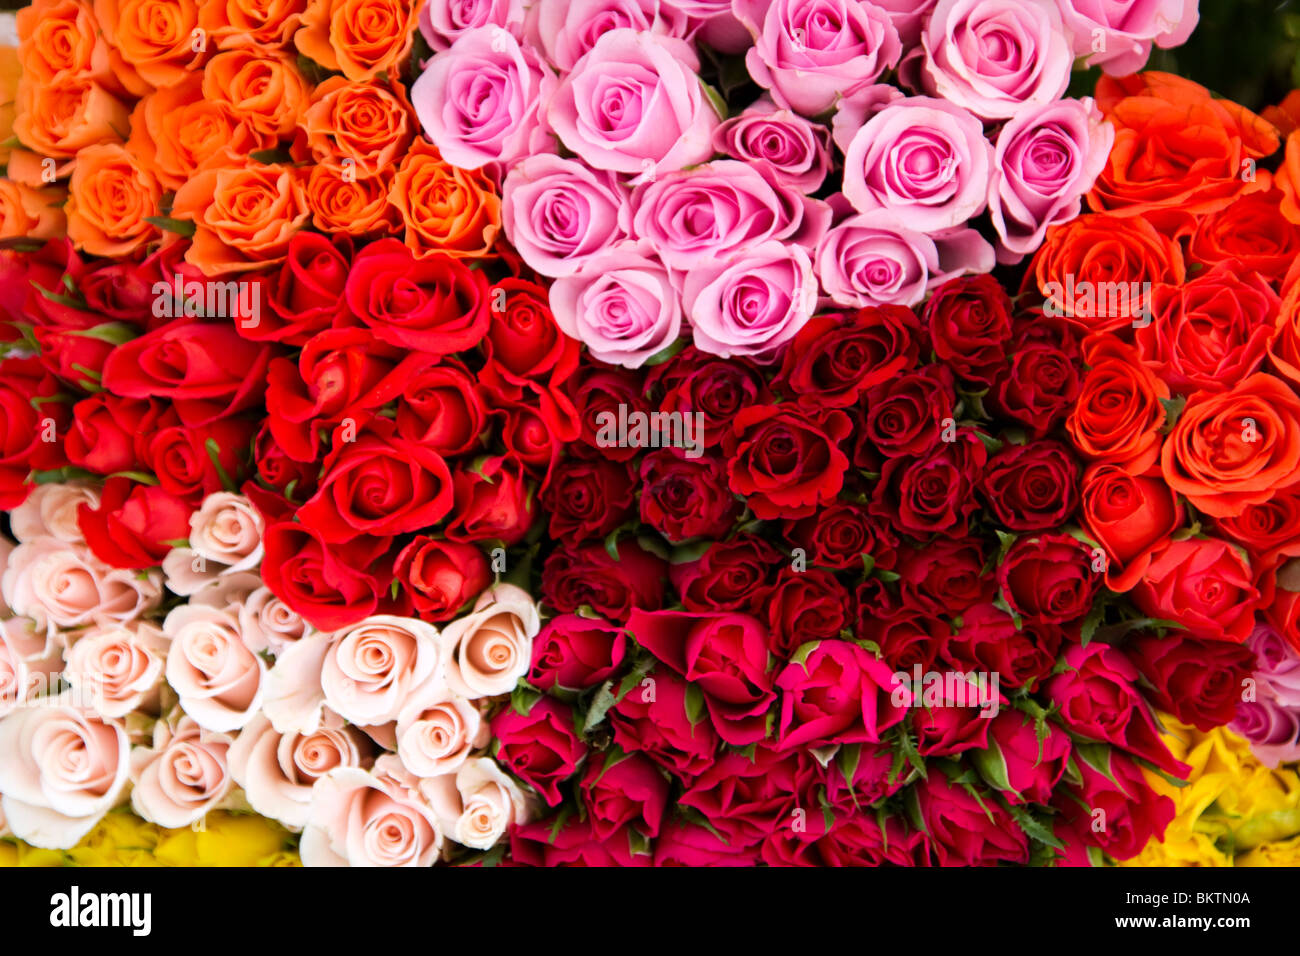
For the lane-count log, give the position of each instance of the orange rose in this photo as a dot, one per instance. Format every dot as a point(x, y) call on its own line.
point(57, 121)
point(356, 205)
point(445, 208)
point(240, 23)
point(109, 197)
point(1286, 115)
point(11, 72)
point(1118, 415)
point(264, 89)
point(33, 213)
point(358, 38)
point(1288, 178)
point(1284, 349)
point(160, 38)
point(177, 131)
point(1233, 449)
point(1178, 151)
point(244, 216)
point(61, 42)
point(362, 122)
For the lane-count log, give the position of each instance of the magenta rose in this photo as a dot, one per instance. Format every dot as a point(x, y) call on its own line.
point(576, 652)
point(653, 719)
point(746, 798)
point(1018, 763)
point(835, 692)
point(1134, 814)
point(988, 640)
point(964, 831)
point(541, 747)
point(796, 151)
point(624, 791)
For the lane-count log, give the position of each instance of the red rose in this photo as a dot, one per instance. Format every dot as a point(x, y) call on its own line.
point(541, 747)
point(785, 462)
point(193, 462)
point(574, 576)
point(1131, 517)
point(135, 525)
point(843, 535)
point(441, 577)
point(534, 440)
point(1198, 681)
point(32, 426)
point(1269, 531)
point(1251, 230)
point(907, 414)
point(717, 388)
point(1040, 383)
point(835, 358)
point(441, 408)
point(969, 321)
point(523, 342)
point(1032, 487)
point(106, 431)
point(905, 638)
point(77, 354)
point(576, 652)
point(120, 291)
point(1205, 585)
point(805, 606)
point(624, 791)
point(494, 502)
point(964, 831)
point(1049, 578)
point(683, 497)
point(306, 295)
point(653, 719)
point(988, 640)
point(1132, 812)
point(329, 585)
point(731, 575)
point(839, 693)
point(932, 494)
point(1118, 415)
point(587, 499)
point(294, 479)
point(1022, 766)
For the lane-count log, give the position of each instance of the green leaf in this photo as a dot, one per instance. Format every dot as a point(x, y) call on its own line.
point(269, 157)
point(801, 654)
point(114, 333)
point(694, 704)
point(214, 454)
point(181, 227)
point(1097, 756)
point(664, 354)
point(523, 697)
point(144, 478)
point(600, 705)
point(1034, 828)
point(611, 544)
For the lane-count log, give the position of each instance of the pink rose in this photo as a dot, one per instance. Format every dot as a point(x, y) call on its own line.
point(489, 650)
point(370, 818)
point(923, 159)
point(796, 151)
point(558, 213)
point(119, 668)
point(478, 101)
point(218, 679)
point(371, 667)
point(1119, 35)
point(1046, 158)
point(437, 731)
point(907, 17)
point(713, 22)
point(995, 57)
point(268, 624)
point(63, 769)
point(753, 303)
point(52, 510)
point(621, 305)
point(1277, 665)
point(476, 805)
point(634, 104)
point(442, 22)
point(1272, 729)
point(182, 776)
point(564, 30)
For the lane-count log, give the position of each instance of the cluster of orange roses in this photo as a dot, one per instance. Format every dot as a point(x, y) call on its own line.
point(236, 121)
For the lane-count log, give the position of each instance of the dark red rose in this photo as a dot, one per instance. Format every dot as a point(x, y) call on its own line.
point(329, 585)
point(435, 304)
point(842, 536)
point(932, 494)
point(1039, 385)
point(1198, 681)
point(598, 391)
point(907, 414)
point(839, 693)
point(106, 431)
point(441, 577)
point(944, 577)
point(576, 652)
point(1018, 762)
point(588, 499)
point(194, 462)
point(1032, 487)
point(624, 791)
point(746, 798)
point(904, 637)
point(785, 462)
point(33, 424)
point(441, 408)
point(805, 606)
point(731, 575)
point(969, 321)
point(307, 294)
point(135, 525)
point(1117, 796)
point(541, 747)
point(495, 501)
point(523, 342)
point(653, 719)
point(1049, 578)
point(684, 497)
point(964, 831)
point(835, 358)
point(717, 388)
point(988, 640)
point(206, 368)
point(589, 575)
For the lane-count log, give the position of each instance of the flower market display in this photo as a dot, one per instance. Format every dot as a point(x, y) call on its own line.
point(629, 433)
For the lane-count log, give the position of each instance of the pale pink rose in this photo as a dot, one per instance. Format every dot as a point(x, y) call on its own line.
point(371, 667)
point(182, 776)
point(437, 731)
point(277, 770)
point(1117, 36)
point(370, 818)
point(634, 104)
point(478, 804)
point(925, 160)
point(29, 661)
point(62, 585)
point(621, 305)
point(752, 304)
point(564, 30)
point(442, 22)
point(118, 668)
point(268, 624)
point(809, 53)
point(218, 679)
point(52, 510)
point(294, 700)
point(488, 651)
point(795, 150)
point(225, 538)
point(478, 102)
point(227, 592)
point(64, 767)
point(558, 213)
point(996, 57)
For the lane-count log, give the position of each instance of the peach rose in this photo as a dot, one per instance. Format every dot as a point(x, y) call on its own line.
point(477, 805)
point(117, 669)
point(52, 510)
point(227, 592)
point(358, 38)
point(61, 41)
point(109, 196)
point(372, 667)
point(64, 768)
point(182, 776)
point(240, 23)
point(244, 216)
point(161, 39)
point(294, 701)
point(28, 662)
point(437, 731)
point(357, 206)
point(370, 818)
point(365, 123)
point(277, 770)
point(58, 121)
point(225, 538)
point(218, 679)
point(265, 89)
point(34, 213)
point(62, 585)
point(445, 208)
point(268, 624)
point(489, 650)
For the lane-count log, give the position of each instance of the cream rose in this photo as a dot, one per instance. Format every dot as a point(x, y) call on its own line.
point(372, 667)
point(117, 669)
point(225, 538)
point(218, 679)
point(487, 652)
point(437, 731)
point(52, 510)
point(268, 624)
point(63, 768)
point(477, 805)
point(182, 776)
point(28, 661)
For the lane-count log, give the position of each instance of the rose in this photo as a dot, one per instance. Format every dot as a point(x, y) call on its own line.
point(588, 574)
point(277, 770)
point(370, 818)
point(189, 461)
point(565, 31)
point(969, 320)
point(219, 680)
point(621, 305)
point(182, 776)
point(64, 769)
point(370, 669)
point(444, 209)
point(724, 655)
point(1198, 681)
point(441, 576)
point(1253, 231)
point(486, 652)
point(587, 499)
point(858, 840)
point(576, 652)
point(524, 344)
point(359, 38)
point(306, 295)
point(436, 731)
point(943, 578)
point(1203, 584)
point(652, 719)
point(104, 429)
point(478, 804)
point(731, 575)
point(558, 213)
point(809, 54)
point(493, 502)
point(744, 800)
point(267, 90)
point(634, 104)
point(1118, 793)
point(1119, 413)
point(1125, 35)
point(694, 382)
point(1044, 160)
point(806, 606)
point(1097, 698)
point(226, 530)
point(950, 729)
point(964, 831)
point(29, 661)
point(361, 122)
point(988, 640)
point(794, 150)
point(442, 409)
point(621, 792)
point(1234, 449)
point(834, 359)
point(907, 414)
point(330, 586)
point(904, 639)
point(925, 160)
point(838, 693)
point(1272, 729)
point(684, 497)
point(934, 493)
point(22, 425)
point(51, 510)
point(841, 536)
point(995, 58)
point(540, 747)
point(1032, 487)
point(1048, 578)
point(119, 667)
point(1277, 665)
point(786, 462)
point(572, 845)
point(1018, 762)
point(442, 22)
point(1131, 517)
point(268, 624)
point(597, 391)
point(117, 228)
point(1041, 382)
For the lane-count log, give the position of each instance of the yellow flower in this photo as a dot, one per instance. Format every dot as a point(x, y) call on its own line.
point(8, 854)
point(1283, 853)
point(224, 839)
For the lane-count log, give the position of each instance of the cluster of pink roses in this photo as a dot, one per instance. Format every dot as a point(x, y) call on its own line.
point(664, 208)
